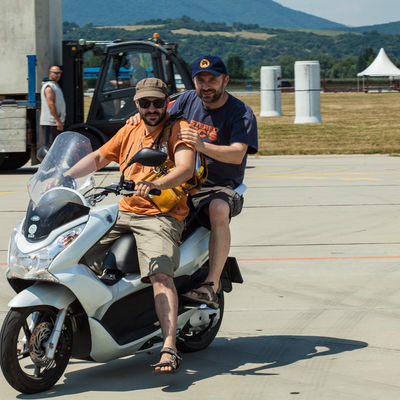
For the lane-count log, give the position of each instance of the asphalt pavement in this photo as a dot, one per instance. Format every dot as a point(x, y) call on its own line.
point(318, 316)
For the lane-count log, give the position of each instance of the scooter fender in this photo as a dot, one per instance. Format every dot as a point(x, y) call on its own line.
point(40, 294)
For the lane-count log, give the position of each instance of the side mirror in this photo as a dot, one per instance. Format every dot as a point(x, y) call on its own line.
point(41, 154)
point(148, 157)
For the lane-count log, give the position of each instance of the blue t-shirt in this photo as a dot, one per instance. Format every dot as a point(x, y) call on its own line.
point(233, 122)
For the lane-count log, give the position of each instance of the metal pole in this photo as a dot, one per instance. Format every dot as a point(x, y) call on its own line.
point(31, 80)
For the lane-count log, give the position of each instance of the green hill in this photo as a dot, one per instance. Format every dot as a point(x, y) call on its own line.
point(392, 28)
point(341, 54)
point(123, 12)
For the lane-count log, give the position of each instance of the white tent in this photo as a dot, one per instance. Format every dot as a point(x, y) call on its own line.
point(381, 66)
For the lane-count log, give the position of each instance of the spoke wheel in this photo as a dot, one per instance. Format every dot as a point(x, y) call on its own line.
point(22, 352)
point(194, 341)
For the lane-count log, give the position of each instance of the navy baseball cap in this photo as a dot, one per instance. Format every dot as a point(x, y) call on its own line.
point(211, 64)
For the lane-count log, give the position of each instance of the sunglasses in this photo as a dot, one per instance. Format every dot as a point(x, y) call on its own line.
point(144, 103)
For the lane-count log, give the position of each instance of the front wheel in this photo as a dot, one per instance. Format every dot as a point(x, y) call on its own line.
point(194, 340)
point(22, 352)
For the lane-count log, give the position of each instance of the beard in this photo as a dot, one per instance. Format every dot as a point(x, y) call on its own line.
point(210, 96)
point(153, 118)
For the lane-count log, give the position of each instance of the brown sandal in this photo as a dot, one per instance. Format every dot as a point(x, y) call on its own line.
point(174, 362)
point(210, 298)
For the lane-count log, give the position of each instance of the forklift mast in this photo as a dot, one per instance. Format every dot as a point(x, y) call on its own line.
point(73, 79)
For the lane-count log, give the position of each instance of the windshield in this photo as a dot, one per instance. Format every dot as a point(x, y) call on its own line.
point(68, 149)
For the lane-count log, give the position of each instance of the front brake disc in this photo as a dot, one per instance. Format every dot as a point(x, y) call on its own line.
point(38, 338)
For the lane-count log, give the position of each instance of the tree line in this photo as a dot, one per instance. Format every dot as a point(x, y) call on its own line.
point(341, 55)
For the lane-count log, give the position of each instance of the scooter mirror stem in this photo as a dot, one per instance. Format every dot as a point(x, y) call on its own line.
point(122, 178)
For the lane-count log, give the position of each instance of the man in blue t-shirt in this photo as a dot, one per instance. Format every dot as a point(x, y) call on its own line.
point(224, 129)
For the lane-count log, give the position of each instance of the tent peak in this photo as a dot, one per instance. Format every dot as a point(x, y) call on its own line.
point(381, 66)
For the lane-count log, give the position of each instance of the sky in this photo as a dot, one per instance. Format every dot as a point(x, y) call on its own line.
point(349, 12)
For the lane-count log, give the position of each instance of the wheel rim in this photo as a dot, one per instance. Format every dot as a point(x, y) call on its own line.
point(194, 340)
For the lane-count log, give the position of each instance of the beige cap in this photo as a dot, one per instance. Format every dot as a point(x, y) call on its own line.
point(151, 87)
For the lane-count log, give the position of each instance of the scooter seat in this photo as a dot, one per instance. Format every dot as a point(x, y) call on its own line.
point(122, 256)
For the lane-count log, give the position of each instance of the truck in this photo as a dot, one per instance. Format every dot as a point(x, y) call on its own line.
point(111, 101)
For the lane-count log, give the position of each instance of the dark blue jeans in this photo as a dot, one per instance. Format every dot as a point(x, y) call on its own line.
point(48, 135)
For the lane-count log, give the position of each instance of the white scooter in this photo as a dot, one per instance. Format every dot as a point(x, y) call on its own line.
point(62, 308)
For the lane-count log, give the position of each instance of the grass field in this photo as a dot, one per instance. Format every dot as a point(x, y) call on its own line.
point(352, 123)
point(244, 34)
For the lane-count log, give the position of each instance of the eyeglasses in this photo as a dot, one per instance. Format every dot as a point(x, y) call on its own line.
point(144, 103)
point(56, 72)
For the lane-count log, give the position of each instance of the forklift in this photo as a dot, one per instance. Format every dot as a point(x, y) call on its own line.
point(112, 101)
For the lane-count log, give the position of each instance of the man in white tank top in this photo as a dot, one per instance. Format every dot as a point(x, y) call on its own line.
point(53, 110)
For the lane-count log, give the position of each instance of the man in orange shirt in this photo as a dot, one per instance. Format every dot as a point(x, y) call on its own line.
point(157, 234)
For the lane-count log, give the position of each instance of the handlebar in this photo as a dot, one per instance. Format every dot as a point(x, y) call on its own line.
point(153, 192)
point(116, 189)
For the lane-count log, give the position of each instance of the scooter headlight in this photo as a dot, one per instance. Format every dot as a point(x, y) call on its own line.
point(34, 265)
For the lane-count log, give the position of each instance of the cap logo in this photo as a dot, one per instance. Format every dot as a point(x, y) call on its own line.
point(204, 63)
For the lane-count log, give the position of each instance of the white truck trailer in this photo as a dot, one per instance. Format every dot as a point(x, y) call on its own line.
point(28, 28)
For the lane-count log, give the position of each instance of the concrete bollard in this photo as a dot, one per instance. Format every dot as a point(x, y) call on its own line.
point(270, 78)
point(307, 92)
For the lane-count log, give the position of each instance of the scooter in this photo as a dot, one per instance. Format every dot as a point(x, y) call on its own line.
point(64, 309)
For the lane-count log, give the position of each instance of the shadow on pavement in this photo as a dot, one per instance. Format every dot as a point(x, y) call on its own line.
point(224, 356)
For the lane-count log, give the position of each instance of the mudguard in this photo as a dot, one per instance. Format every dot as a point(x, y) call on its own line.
point(40, 293)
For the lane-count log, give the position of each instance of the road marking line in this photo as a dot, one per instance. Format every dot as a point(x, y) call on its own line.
point(318, 258)
point(14, 191)
point(330, 174)
point(360, 179)
point(309, 177)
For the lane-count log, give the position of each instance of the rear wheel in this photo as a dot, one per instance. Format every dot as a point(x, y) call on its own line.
point(22, 352)
point(195, 340)
point(11, 161)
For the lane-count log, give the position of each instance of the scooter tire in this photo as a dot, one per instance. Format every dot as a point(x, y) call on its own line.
point(201, 340)
point(35, 377)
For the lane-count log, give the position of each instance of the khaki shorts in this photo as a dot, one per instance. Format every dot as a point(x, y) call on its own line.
point(201, 200)
point(157, 238)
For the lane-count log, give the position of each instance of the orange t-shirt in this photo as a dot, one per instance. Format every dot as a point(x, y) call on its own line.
point(123, 145)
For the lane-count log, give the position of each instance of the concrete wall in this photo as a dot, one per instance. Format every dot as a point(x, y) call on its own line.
point(28, 27)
